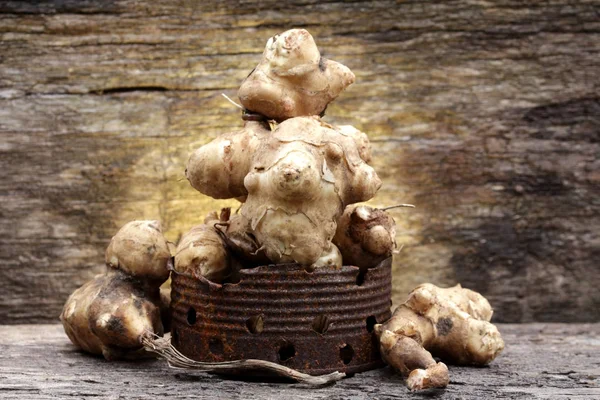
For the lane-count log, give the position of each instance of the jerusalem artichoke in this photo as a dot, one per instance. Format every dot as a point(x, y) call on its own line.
point(295, 178)
point(365, 236)
point(110, 314)
point(140, 249)
point(452, 323)
point(202, 252)
point(298, 180)
point(293, 79)
point(218, 168)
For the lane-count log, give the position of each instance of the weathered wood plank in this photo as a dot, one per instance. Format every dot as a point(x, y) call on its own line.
point(486, 115)
point(545, 361)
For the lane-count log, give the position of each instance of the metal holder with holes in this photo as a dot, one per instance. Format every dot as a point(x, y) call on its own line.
point(315, 322)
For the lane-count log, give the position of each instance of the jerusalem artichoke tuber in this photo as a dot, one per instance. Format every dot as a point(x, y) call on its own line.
point(140, 249)
point(110, 314)
point(293, 79)
point(298, 187)
point(295, 178)
point(452, 323)
point(202, 252)
point(298, 179)
point(365, 236)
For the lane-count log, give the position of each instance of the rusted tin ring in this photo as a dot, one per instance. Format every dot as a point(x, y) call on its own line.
point(316, 322)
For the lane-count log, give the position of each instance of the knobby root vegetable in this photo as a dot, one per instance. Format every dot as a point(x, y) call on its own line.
point(297, 179)
point(330, 258)
point(294, 178)
point(452, 323)
point(366, 236)
point(218, 168)
point(303, 175)
point(111, 314)
point(293, 79)
point(140, 249)
point(203, 252)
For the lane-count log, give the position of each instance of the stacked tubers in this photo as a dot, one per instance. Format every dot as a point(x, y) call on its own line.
point(296, 179)
point(112, 313)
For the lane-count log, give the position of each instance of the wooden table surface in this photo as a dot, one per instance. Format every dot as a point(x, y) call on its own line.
point(546, 361)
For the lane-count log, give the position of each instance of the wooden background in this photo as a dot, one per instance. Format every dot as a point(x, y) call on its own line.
point(485, 115)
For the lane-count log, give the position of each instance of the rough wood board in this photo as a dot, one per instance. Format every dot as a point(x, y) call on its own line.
point(486, 115)
point(541, 361)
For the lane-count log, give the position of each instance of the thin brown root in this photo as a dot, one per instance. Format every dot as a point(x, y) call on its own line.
point(163, 348)
point(397, 206)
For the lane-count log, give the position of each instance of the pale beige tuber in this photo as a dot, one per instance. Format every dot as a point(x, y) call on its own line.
point(366, 236)
point(218, 168)
point(294, 178)
point(297, 181)
point(110, 314)
point(293, 79)
point(451, 323)
point(202, 252)
point(140, 249)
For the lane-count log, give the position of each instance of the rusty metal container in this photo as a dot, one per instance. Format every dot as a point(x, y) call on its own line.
point(316, 322)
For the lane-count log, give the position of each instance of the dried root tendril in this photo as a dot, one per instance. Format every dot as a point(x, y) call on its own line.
point(164, 349)
point(231, 101)
point(397, 206)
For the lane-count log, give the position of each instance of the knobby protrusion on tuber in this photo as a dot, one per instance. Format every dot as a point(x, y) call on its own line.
point(293, 79)
point(110, 314)
point(218, 168)
point(330, 258)
point(451, 323)
point(414, 362)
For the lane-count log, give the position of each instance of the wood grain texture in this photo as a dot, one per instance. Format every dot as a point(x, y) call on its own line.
point(486, 115)
point(541, 361)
